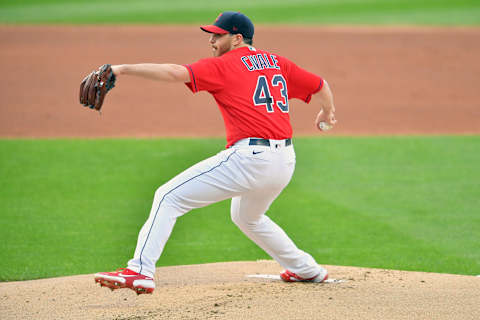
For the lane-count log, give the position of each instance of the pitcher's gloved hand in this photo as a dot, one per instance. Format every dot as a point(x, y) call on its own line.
point(95, 86)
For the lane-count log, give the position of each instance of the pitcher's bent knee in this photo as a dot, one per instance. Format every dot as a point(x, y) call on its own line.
point(244, 224)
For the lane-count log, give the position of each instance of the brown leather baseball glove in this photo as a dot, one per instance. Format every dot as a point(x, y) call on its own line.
point(95, 86)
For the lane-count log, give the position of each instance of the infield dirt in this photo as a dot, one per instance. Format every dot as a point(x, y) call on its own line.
point(385, 81)
point(222, 291)
point(390, 81)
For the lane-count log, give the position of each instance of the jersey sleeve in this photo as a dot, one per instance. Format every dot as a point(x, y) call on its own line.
point(205, 75)
point(301, 84)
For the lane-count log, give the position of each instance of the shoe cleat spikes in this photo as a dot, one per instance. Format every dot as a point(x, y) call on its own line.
point(140, 291)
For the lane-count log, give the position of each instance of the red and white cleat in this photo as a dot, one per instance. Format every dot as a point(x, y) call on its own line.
point(125, 278)
point(289, 276)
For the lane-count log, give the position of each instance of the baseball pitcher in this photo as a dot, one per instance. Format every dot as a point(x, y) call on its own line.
point(252, 88)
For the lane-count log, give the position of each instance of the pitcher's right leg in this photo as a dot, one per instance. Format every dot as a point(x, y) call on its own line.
point(247, 213)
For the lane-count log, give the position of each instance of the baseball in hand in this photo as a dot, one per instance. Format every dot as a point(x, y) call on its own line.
point(324, 126)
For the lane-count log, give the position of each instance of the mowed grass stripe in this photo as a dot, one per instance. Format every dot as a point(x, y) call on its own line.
point(440, 12)
point(76, 206)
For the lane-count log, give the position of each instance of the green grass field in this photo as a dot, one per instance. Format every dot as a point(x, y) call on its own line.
point(429, 12)
point(76, 206)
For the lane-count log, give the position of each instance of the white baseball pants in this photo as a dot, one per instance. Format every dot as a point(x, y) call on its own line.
point(253, 176)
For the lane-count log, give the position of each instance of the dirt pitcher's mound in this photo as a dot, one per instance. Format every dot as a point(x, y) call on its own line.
point(223, 291)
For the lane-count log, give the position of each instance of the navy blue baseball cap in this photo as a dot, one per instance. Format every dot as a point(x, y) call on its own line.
point(231, 22)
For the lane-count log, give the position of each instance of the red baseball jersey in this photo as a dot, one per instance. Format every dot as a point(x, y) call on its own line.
point(252, 88)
